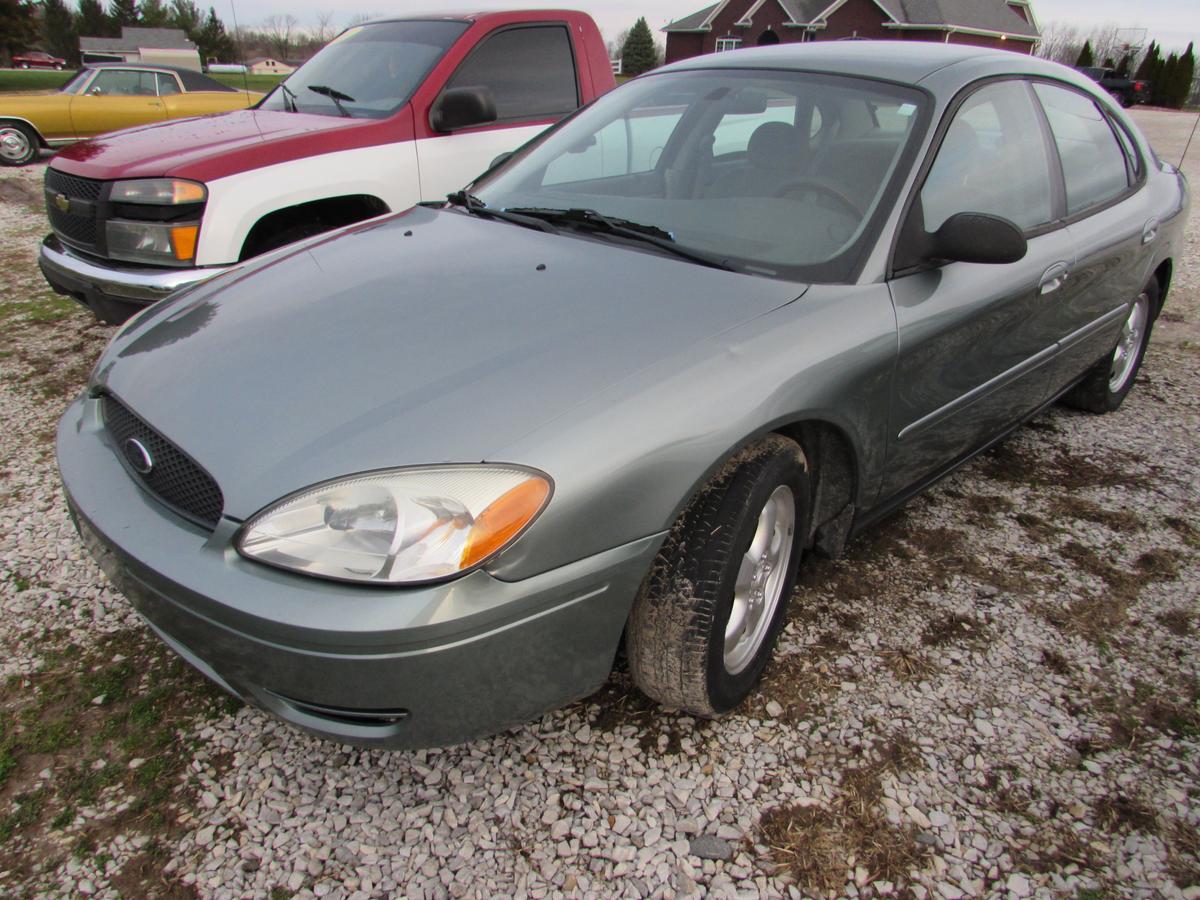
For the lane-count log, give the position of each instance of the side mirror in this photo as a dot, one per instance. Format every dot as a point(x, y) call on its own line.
point(463, 107)
point(502, 159)
point(977, 238)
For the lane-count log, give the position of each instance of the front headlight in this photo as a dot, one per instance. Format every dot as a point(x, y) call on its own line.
point(159, 191)
point(403, 526)
point(161, 243)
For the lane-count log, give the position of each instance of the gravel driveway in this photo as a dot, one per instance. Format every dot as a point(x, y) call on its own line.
point(996, 692)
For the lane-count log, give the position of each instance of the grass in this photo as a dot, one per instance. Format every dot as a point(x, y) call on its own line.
point(47, 80)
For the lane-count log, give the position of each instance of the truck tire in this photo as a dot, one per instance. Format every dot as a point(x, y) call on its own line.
point(18, 144)
point(1110, 380)
point(706, 619)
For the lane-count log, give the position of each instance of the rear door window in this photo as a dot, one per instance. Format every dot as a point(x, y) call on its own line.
point(993, 159)
point(1094, 164)
point(530, 72)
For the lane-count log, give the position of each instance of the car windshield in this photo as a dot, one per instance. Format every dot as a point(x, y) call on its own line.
point(366, 72)
point(773, 173)
point(75, 82)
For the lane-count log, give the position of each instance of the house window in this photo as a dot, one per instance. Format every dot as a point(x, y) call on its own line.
point(728, 43)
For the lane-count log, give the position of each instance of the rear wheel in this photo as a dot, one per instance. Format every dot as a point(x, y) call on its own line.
point(1109, 381)
point(18, 144)
point(23, 66)
point(705, 622)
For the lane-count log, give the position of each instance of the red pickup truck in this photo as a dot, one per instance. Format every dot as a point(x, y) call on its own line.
point(389, 114)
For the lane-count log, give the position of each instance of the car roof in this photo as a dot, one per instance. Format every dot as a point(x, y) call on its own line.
point(903, 61)
point(469, 15)
point(193, 81)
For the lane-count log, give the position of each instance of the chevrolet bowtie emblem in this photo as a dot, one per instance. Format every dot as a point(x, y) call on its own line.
point(62, 202)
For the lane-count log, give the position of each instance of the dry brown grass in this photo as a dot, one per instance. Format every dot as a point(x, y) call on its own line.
point(953, 628)
point(821, 846)
point(1120, 812)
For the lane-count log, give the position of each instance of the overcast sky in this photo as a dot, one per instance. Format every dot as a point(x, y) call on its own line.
point(1172, 22)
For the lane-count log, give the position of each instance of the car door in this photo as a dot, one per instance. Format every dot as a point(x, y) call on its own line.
point(115, 99)
point(1111, 223)
point(972, 338)
point(530, 71)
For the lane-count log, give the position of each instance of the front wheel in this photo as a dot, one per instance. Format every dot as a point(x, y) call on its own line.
point(705, 621)
point(18, 144)
point(23, 66)
point(1108, 382)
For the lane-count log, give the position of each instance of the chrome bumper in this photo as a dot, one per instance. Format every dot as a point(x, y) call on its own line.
point(113, 294)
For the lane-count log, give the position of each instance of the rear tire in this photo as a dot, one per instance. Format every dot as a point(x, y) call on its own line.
point(705, 622)
point(18, 144)
point(1110, 380)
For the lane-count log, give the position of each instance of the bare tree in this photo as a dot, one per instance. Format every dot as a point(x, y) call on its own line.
point(359, 18)
point(1061, 43)
point(278, 30)
point(324, 32)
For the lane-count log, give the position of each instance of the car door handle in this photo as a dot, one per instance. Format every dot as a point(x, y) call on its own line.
point(1150, 231)
point(1053, 278)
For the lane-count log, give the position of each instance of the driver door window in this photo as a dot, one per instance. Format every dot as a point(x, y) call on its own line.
point(993, 159)
point(124, 83)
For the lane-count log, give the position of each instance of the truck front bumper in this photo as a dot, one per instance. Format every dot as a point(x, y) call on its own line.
point(113, 294)
point(374, 667)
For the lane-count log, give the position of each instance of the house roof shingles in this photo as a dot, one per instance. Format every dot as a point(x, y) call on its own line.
point(135, 38)
point(985, 15)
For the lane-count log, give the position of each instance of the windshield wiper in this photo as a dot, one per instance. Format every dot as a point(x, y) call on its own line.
point(590, 220)
point(333, 94)
point(476, 207)
point(289, 98)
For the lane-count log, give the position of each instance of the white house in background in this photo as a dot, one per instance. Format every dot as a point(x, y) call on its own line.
point(165, 46)
point(265, 65)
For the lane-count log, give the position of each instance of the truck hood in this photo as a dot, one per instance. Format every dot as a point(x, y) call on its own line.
point(209, 147)
point(428, 337)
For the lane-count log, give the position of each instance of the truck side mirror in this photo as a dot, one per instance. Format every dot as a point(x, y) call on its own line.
point(463, 107)
point(976, 238)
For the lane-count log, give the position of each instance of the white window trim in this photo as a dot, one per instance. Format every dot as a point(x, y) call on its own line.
point(725, 44)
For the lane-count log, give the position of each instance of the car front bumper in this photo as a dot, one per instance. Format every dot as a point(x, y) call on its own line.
point(113, 294)
point(372, 667)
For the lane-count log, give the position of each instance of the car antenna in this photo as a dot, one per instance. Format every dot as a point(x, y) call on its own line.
point(1188, 146)
point(238, 43)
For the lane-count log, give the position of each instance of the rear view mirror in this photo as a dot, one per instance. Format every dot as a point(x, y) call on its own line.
point(745, 103)
point(463, 107)
point(977, 238)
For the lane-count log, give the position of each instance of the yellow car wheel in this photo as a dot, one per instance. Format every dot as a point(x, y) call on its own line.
point(18, 144)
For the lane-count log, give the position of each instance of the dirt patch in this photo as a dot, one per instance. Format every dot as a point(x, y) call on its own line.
point(1065, 470)
point(1072, 506)
point(1119, 812)
point(953, 628)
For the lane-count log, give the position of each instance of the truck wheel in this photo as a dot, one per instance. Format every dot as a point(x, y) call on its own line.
point(23, 66)
point(18, 144)
point(1109, 381)
point(706, 619)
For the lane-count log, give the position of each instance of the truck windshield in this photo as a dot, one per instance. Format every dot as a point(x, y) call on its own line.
point(371, 70)
point(780, 174)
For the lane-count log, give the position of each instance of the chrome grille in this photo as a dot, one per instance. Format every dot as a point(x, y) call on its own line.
point(174, 477)
point(77, 227)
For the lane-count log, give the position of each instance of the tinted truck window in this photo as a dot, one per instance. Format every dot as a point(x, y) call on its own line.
point(530, 71)
point(1093, 162)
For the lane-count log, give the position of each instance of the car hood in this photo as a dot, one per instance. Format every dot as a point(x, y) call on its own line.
point(428, 337)
point(211, 146)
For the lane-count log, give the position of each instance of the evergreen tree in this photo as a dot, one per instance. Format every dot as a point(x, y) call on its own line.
point(213, 41)
point(18, 27)
point(1149, 61)
point(93, 20)
point(124, 12)
point(1085, 56)
point(58, 30)
point(186, 16)
point(155, 14)
point(1185, 73)
point(1162, 79)
point(638, 55)
point(1123, 66)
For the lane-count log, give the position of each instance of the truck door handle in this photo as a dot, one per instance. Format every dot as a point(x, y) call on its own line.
point(1054, 278)
point(1150, 231)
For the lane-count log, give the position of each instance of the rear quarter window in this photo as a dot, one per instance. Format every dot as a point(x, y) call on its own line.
point(1094, 163)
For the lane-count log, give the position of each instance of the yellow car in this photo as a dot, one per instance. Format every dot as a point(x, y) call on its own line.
point(105, 97)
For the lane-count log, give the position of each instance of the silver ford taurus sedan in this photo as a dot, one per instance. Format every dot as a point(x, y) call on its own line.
point(420, 479)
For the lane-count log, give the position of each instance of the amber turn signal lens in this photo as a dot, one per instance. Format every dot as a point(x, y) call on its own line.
point(500, 522)
point(188, 192)
point(183, 241)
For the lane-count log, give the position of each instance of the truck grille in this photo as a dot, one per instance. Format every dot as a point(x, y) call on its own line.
point(174, 477)
point(76, 226)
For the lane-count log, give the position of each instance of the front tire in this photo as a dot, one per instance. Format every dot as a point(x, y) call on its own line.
point(18, 144)
point(706, 619)
point(1107, 383)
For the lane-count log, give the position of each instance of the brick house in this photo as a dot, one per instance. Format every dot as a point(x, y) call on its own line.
point(730, 24)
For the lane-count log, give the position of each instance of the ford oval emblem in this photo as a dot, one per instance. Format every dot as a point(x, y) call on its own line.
point(62, 202)
point(139, 457)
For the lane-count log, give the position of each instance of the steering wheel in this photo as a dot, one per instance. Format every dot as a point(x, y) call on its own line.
point(805, 185)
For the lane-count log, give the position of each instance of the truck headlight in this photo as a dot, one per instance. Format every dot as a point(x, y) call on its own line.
point(159, 243)
point(159, 191)
point(402, 526)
